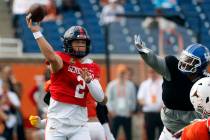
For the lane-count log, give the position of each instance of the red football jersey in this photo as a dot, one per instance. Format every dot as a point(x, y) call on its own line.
point(91, 103)
point(67, 85)
point(196, 131)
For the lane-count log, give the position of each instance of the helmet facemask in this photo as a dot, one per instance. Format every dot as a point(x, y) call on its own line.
point(68, 48)
point(193, 60)
point(201, 106)
point(188, 63)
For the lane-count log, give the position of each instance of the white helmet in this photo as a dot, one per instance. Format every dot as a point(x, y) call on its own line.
point(200, 96)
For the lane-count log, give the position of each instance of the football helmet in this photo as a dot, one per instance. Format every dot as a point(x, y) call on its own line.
point(194, 59)
point(76, 33)
point(200, 97)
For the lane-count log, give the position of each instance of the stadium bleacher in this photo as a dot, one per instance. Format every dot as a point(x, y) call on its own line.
point(196, 16)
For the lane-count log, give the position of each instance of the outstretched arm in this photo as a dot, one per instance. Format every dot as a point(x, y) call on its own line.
point(154, 61)
point(46, 49)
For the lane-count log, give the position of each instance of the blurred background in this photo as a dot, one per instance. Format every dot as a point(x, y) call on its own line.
point(166, 26)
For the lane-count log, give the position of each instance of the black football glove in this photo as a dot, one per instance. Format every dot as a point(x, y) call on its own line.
point(102, 113)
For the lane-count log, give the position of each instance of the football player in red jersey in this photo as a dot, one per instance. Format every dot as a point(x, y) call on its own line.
point(96, 113)
point(72, 77)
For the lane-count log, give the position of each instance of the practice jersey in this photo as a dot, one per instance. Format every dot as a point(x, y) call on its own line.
point(197, 131)
point(67, 85)
point(176, 93)
point(91, 103)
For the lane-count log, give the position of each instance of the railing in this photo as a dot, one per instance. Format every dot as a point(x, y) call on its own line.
point(10, 47)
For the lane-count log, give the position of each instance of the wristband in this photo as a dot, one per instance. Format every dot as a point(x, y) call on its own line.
point(37, 34)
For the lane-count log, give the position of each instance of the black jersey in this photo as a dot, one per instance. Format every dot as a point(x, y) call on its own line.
point(176, 93)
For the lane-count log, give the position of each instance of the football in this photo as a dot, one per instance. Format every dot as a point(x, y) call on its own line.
point(36, 12)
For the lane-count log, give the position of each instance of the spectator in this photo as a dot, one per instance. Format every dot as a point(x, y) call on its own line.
point(37, 95)
point(108, 14)
point(130, 75)
point(70, 5)
point(121, 102)
point(150, 97)
point(9, 77)
point(168, 28)
point(199, 1)
point(20, 126)
point(9, 103)
point(160, 4)
point(52, 11)
point(19, 8)
point(170, 40)
point(3, 119)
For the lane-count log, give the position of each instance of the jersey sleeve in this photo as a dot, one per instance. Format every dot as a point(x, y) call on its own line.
point(196, 131)
point(62, 55)
point(65, 57)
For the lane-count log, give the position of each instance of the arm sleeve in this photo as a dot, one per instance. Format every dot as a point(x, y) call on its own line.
point(156, 62)
point(96, 90)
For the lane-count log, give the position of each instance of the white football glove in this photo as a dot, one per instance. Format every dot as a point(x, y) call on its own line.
point(139, 44)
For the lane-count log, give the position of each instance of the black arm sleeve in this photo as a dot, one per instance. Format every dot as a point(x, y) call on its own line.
point(102, 113)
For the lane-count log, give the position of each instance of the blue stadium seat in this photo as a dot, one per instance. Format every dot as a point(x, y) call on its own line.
point(30, 46)
point(128, 7)
point(52, 31)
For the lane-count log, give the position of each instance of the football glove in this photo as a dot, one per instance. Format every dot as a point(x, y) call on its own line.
point(140, 45)
point(35, 121)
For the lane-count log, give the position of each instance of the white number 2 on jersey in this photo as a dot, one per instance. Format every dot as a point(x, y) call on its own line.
point(80, 87)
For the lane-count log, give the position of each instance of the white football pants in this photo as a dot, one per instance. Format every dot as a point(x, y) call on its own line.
point(166, 135)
